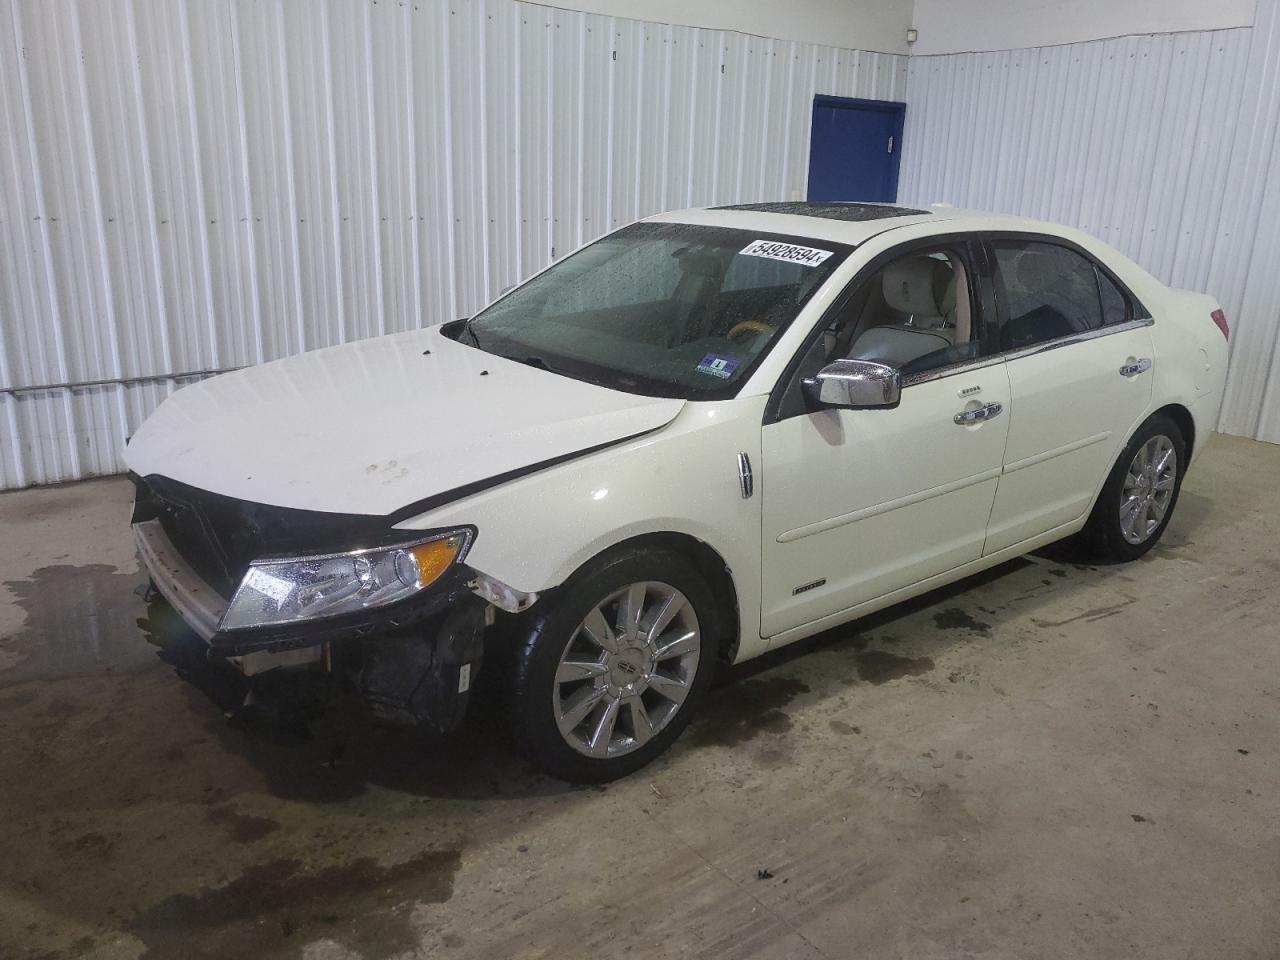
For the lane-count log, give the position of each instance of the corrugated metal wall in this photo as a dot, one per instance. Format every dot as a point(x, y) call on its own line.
point(191, 185)
point(1164, 146)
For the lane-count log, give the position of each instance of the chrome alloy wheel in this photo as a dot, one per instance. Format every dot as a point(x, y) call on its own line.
point(1148, 489)
point(627, 669)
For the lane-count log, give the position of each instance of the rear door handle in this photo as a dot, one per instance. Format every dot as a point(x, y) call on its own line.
point(1135, 367)
point(988, 412)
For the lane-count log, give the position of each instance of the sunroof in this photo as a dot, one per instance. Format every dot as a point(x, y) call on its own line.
point(830, 211)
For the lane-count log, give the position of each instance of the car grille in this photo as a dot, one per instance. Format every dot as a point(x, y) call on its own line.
point(220, 536)
point(202, 529)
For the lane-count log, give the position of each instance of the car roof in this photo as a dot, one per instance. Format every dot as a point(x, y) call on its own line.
point(849, 211)
point(849, 223)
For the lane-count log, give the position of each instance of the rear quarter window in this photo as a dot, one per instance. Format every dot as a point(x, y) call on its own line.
point(1115, 305)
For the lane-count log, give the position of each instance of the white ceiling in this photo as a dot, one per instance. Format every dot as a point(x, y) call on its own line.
point(958, 26)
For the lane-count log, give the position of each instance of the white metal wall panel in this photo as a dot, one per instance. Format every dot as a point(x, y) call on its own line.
point(193, 185)
point(1164, 146)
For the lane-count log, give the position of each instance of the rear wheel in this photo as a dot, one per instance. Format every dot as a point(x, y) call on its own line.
point(610, 672)
point(1139, 497)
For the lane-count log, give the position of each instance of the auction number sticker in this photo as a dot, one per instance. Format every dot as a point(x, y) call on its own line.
point(786, 252)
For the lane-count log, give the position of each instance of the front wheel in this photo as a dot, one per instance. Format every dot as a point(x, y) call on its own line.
point(1137, 501)
point(610, 673)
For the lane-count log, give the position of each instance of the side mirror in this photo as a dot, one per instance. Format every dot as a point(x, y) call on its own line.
point(854, 385)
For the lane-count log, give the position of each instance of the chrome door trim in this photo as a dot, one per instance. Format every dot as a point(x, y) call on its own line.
point(969, 366)
point(1078, 338)
point(821, 526)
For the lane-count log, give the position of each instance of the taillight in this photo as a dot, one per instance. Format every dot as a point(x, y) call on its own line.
point(1220, 319)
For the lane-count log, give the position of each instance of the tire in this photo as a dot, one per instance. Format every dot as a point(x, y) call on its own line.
point(558, 670)
point(1110, 538)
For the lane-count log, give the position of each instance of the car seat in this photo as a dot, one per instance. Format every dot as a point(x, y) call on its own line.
point(920, 291)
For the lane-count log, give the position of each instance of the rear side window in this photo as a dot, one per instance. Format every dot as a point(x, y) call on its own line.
point(1048, 292)
point(1115, 305)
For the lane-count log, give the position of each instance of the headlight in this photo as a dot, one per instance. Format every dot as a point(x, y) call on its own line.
point(306, 588)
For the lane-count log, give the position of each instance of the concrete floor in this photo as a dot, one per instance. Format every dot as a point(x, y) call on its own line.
point(1047, 761)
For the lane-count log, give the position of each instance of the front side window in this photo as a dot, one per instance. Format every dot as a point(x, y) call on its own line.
point(665, 309)
point(1049, 291)
point(914, 313)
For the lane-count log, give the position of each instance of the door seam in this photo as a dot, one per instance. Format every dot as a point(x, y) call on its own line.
point(1004, 453)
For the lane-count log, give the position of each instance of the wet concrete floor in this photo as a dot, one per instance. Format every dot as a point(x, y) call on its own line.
point(1048, 760)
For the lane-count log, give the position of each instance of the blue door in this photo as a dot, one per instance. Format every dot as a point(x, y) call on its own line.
point(854, 149)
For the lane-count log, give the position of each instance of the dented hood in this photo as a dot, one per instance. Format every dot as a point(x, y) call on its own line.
point(374, 426)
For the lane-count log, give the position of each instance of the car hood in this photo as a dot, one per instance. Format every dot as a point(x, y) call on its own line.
point(374, 426)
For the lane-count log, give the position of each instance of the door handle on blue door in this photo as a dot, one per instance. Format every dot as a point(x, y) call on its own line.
point(965, 417)
point(1135, 367)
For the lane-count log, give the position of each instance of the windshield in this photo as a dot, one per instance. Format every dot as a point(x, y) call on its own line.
point(666, 309)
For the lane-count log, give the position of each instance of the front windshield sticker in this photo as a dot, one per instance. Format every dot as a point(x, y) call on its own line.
point(717, 366)
point(787, 252)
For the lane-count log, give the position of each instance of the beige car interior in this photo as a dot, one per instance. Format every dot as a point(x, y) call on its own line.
point(918, 305)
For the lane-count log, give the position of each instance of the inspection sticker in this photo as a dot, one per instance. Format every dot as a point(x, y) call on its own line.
point(787, 252)
point(717, 366)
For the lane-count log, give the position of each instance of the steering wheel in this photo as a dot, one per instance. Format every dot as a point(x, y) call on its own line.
point(750, 326)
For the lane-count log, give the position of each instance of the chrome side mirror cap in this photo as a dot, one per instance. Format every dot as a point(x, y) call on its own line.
point(855, 385)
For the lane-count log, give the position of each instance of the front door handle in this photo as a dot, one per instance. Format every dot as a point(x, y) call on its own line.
point(988, 412)
point(1135, 367)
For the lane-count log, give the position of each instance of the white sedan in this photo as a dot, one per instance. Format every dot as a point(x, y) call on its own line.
point(704, 436)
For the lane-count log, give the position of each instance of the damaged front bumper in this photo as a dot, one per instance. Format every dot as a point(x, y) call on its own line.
point(195, 601)
point(413, 662)
point(202, 607)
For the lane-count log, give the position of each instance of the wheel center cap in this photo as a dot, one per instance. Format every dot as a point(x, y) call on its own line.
point(627, 668)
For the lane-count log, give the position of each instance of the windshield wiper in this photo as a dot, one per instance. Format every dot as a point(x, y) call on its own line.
point(536, 362)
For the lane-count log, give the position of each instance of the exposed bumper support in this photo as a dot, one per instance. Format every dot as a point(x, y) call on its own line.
point(251, 664)
point(194, 600)
point(500, 595)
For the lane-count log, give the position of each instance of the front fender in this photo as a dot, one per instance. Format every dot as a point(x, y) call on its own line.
point(535, 531)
